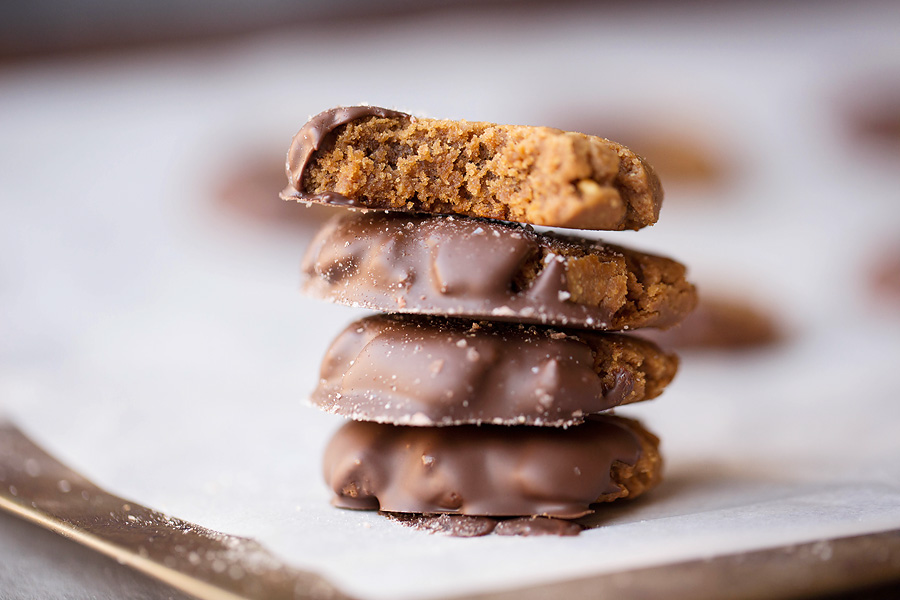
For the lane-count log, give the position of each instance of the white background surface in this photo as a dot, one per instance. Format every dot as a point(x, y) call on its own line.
point(158, 344)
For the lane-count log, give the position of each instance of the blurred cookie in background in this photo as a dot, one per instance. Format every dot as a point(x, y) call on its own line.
point(866, 110)
point(872, 112)
point(678, 159)
point(682, 155)
point(248, 189)
point(721, 322)
point(884, 276)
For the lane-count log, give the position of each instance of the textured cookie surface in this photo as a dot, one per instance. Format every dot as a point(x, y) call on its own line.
point(413, 370)
point(490, 470)
point(377, 158)
point(491, 270)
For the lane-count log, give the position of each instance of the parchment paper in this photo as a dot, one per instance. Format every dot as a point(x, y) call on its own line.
point(157, 342)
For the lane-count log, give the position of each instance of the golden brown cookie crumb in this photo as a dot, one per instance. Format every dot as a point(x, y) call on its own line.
point(535, 175)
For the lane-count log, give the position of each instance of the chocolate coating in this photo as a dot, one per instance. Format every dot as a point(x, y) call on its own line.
point(311, 137)
point(414, 370)
point(486, 470)
point(491, 270)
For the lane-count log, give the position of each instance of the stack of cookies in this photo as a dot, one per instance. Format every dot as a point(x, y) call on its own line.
point(484, 389)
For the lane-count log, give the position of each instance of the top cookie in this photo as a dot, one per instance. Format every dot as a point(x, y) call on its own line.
point(371, 157)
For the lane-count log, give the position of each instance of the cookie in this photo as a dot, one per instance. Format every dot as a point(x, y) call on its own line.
point(884, 275)
point(424, 371)
point(721, 322)
point(372, 157)
point(872, 112)
point(490, 470)
point(491, 270)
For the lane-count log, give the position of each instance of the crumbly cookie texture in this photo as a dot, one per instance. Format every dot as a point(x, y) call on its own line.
point(425, 371)
point(537, 175)
point(482, 269)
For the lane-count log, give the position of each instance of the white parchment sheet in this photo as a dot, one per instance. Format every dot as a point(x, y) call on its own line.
point(157, 342)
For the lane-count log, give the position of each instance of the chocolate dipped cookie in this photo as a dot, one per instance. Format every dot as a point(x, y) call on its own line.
point(477, 405)
point(428, 371)
point(491, 470)
point(370, 157)
point(491, 270)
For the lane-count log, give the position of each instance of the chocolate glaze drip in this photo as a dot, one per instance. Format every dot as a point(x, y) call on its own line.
point(471, 470)
point(413, 370)
point(466, 526)
point(456, 267)
point(532, 526)
point(311, 137)
point(449, 525)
